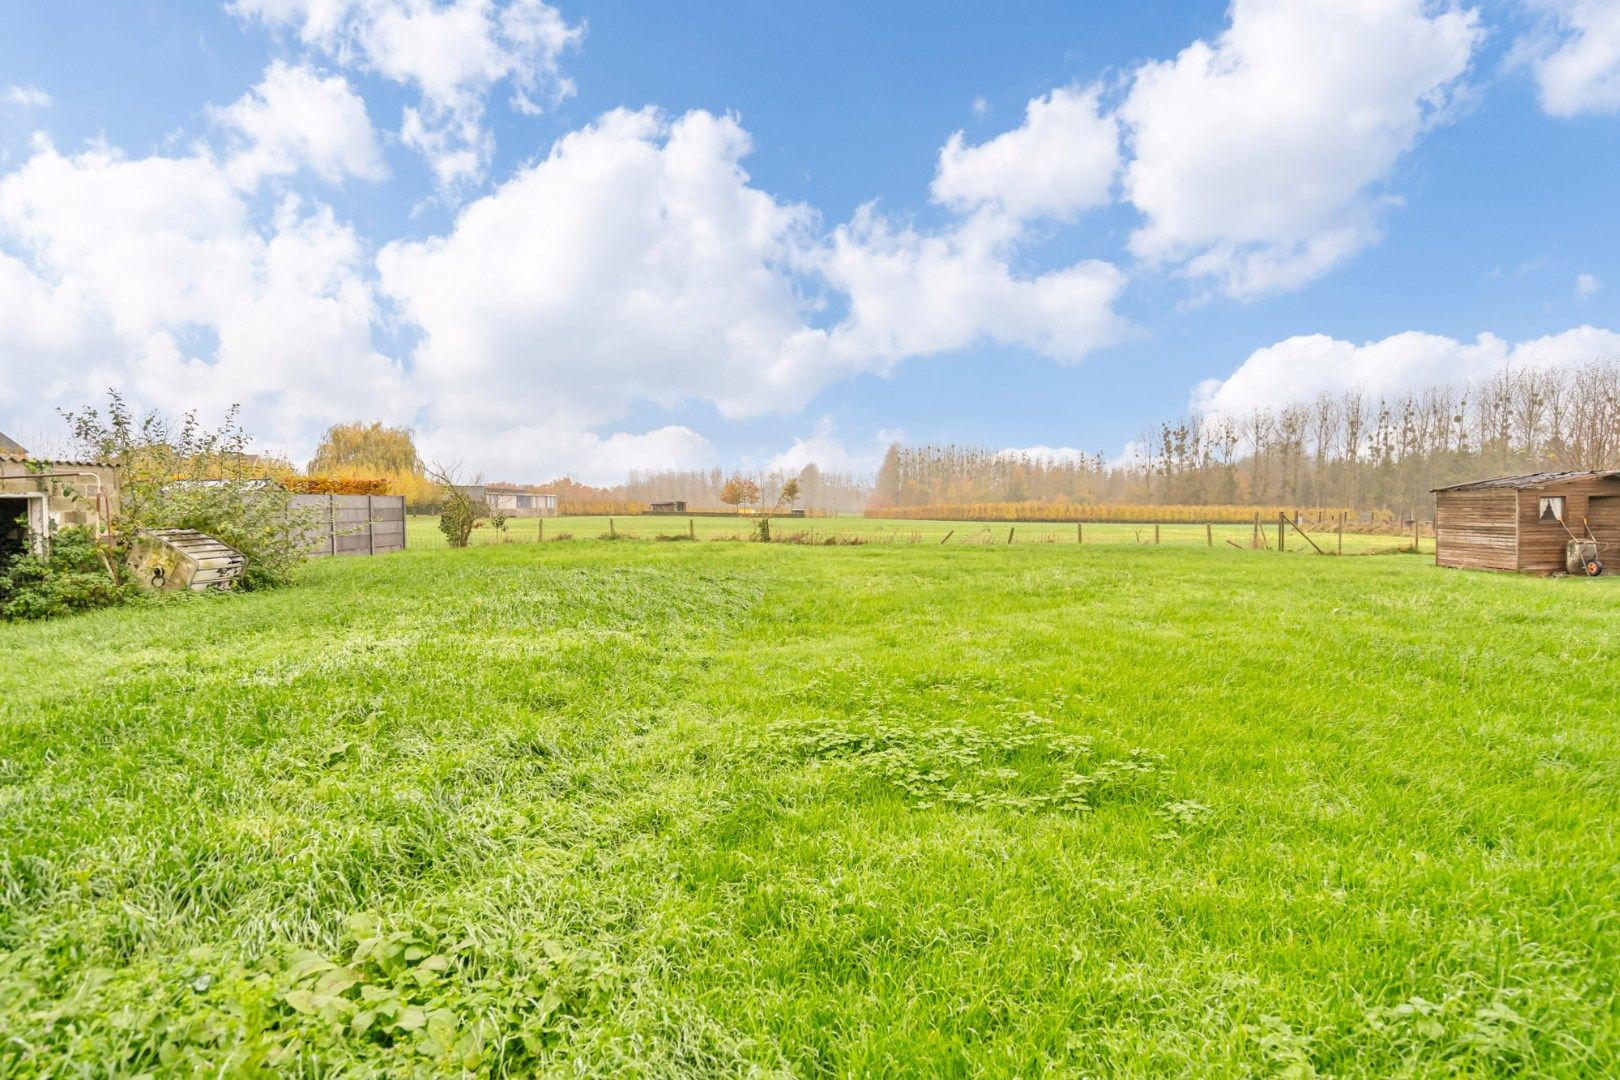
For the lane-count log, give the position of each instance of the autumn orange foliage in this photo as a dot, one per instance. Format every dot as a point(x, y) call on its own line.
point(341, 484)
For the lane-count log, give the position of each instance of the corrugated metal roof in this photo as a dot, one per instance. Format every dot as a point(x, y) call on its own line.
point(513, 489)
point(50, 462)
point(1527, 480)
point(10, 446)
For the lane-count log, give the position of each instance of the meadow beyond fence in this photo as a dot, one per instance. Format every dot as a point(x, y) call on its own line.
point(1358, 539)
point(1137, 514)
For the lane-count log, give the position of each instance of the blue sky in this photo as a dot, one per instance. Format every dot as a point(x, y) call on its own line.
point(598, 236)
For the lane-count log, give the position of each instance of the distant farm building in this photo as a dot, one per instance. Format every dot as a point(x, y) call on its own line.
point(38, 497)
point(1525, 523)
point(677, 506)
point(515, 501)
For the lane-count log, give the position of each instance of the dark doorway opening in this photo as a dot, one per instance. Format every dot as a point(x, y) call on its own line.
point(13, 528)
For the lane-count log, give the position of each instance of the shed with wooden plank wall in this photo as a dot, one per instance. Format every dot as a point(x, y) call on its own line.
point(1522, 523)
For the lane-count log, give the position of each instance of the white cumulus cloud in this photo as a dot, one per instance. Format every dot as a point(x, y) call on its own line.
point(1298, 369)
point(150, 274)
point(1061, 161)
point(452, 52)
point(527, 454)
point(635, 262)
point(1575, 56)
point(912, 293)
point(298, 118)
point(1256, 158)
point(25, 97)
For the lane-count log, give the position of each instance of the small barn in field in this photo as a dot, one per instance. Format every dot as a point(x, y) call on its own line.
point(1523, 523)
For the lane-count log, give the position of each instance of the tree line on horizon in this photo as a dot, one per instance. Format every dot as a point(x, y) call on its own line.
point(1342, 449)
point(1348, 449)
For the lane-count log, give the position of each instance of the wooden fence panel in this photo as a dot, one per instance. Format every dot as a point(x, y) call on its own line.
point(355, 524)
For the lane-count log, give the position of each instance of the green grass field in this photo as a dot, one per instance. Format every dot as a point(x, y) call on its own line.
point(424, 532)
point(664, 809)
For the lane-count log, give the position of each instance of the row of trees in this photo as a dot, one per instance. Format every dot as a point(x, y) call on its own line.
point(712, 488)
point(1343, 449)
point(377, 450)
point(953, 474)
point(1346, 449)
point(818, 490)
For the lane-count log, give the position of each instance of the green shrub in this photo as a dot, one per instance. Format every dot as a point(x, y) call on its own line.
point(460, 516)
point(177, 474)
point(256, 517)
point(71, 577)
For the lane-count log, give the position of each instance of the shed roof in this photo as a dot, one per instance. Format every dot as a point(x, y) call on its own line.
point(515, 489)
point(1525, 481)
point(25, 459)
point(10, 446)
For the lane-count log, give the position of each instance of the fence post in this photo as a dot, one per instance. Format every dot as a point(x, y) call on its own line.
point(1282, 537)
point(1079, 533)
point(1155, 533)
point(691, 528)
point(331, 523)
point(612, 532)
point(1209, 534)
point(947, 537)
point(541, 532)
point(1009, 535)
point(1341, 532)
point(371, 528)
point(1254, 539)
point(1414, 534)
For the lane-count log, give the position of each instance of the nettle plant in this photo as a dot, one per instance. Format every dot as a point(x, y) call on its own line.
point(174, 473)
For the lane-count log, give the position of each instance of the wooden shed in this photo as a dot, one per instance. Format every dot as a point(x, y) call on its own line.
point(1523, 523)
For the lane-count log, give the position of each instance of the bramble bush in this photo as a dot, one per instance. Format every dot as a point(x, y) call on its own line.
point(71, 576)
point(176, 474)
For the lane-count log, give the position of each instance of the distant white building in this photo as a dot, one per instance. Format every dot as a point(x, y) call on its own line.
point(514, 501)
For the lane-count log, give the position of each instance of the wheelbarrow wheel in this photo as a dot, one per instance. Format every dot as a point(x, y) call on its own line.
point(1593, 568)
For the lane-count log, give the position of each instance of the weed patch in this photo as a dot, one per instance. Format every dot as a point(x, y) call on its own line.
point(1027, 768)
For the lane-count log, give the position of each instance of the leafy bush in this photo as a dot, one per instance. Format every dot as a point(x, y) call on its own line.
point(71, 577)
point(460, 516)
point(256, 518)
point(179, 475)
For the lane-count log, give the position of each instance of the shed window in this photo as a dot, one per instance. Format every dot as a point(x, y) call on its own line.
point(1552, 509)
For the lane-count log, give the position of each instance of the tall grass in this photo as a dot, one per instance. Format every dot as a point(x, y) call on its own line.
point(705, 809)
